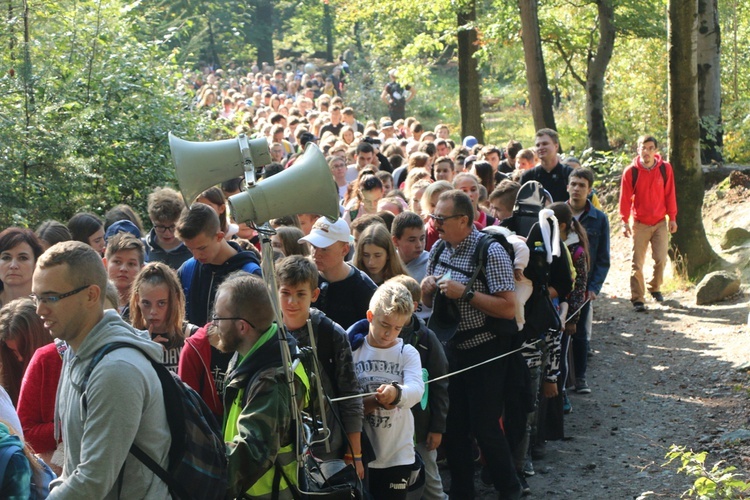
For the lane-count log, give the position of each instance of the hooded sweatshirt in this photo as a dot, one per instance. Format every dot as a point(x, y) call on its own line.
point(174, 258)
point(124, 405)
point(652, 198)
point(200, 281)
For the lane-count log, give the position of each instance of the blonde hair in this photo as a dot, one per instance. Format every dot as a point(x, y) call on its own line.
point(392, 298)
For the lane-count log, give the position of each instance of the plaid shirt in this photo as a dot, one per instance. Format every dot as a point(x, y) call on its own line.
point(498, 273)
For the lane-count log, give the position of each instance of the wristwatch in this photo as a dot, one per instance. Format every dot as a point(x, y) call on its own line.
point(469, 295)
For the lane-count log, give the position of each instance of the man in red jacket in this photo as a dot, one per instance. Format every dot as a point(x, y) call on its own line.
point(647, 192)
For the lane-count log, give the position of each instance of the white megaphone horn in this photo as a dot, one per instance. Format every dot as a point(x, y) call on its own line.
point(200, 165)
point(307, 187)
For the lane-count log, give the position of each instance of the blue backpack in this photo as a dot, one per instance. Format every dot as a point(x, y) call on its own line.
point(39, 485)
point(197, 456)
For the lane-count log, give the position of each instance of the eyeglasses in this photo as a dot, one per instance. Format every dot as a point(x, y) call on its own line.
point(54, 299)
point(440, 219)
point(164, 229)
point(215, 321)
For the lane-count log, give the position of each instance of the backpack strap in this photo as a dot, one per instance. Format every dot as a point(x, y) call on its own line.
point(174, 487)
point(5, 455)
point(662, 169)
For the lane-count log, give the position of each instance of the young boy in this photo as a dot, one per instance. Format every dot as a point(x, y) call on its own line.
point(408, 234)
point(202, 366)
point(162, 245)
point(297, 279)
point(123, 259)
point(214, 258)
point(429, 422)
point(387, 366)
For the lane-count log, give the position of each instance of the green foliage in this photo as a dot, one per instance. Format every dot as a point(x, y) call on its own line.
point(96, 133)
point(716, 482)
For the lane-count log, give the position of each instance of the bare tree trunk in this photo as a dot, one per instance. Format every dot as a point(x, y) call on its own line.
point(468, 75)
point(264, 25)
point(597, 68)
point(709, 81)
point(328, 30)
point(540, 97)
point(689, 242)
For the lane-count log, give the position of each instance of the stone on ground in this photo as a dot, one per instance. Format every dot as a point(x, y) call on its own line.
point(715, 287)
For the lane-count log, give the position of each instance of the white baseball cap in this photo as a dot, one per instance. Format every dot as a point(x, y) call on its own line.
point(325, 233)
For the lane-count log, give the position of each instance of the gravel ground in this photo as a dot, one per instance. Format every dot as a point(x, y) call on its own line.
point(676, 374)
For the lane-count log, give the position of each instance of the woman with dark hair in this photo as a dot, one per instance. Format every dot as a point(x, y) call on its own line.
point(51, 232)
point(19, 250)
point(22, 332)
point(88, 228)
point(483, 170)
point(122, 212)
point(214, 198)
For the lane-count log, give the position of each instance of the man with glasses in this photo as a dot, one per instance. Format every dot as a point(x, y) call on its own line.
point(124, 402)
point(486, 330)
point(162, 244)
point(258, 403)
point(647, 193)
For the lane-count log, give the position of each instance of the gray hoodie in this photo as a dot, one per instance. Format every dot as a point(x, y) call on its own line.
point(125, 404)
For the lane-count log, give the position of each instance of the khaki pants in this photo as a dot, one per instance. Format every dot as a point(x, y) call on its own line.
point(658, 236)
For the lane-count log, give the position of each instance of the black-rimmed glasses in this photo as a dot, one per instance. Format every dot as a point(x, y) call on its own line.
point(215, 320)
point(164, 229)
point(53, 299)
point(439, 219)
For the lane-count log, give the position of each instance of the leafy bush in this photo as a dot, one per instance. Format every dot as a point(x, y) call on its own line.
point(716, 482)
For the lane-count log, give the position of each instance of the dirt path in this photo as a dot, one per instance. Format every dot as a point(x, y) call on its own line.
point(667, 376)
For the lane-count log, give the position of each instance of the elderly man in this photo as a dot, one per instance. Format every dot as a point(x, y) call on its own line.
point(486, 330)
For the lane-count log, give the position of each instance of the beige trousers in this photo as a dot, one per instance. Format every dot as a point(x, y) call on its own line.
point(658, 236)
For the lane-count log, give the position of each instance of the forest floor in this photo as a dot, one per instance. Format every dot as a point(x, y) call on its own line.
point(676, 374)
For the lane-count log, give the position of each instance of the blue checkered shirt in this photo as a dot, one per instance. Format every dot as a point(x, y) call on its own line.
point(499, 277)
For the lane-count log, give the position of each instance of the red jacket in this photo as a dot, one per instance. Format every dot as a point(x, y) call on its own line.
point(195, 370)
point(36, 402)
point(652, 199)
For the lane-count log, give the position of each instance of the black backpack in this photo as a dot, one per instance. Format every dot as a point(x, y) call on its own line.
point(662, 169)
point(197, 456)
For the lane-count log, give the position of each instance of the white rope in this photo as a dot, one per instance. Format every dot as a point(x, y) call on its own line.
point(524, 346)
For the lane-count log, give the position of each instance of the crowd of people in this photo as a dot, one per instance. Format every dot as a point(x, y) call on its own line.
point(188, 290)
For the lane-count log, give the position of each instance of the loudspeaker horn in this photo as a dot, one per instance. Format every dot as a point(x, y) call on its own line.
point(307, 187)
point(200, 165)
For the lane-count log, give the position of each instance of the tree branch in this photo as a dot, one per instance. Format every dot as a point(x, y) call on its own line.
point(568, 63)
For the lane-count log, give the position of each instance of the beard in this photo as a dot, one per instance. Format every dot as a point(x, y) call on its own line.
point(224, 341)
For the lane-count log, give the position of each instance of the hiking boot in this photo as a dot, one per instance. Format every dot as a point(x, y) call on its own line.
point(525, 488)
point(582, 387)
point(639, 307)
point(567, 407)
point(528, 468)
point(657, 296)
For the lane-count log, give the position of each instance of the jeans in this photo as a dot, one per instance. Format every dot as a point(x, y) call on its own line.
point(581, 340)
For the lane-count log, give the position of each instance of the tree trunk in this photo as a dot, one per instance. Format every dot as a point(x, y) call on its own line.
point(468, 75)
point(709, 81)
point(689, 242)
point(264, 28)
point(328, 30)
point(596, 69)
point(540, 97)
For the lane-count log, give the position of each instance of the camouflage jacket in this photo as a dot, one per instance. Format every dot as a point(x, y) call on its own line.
point(264, 429)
